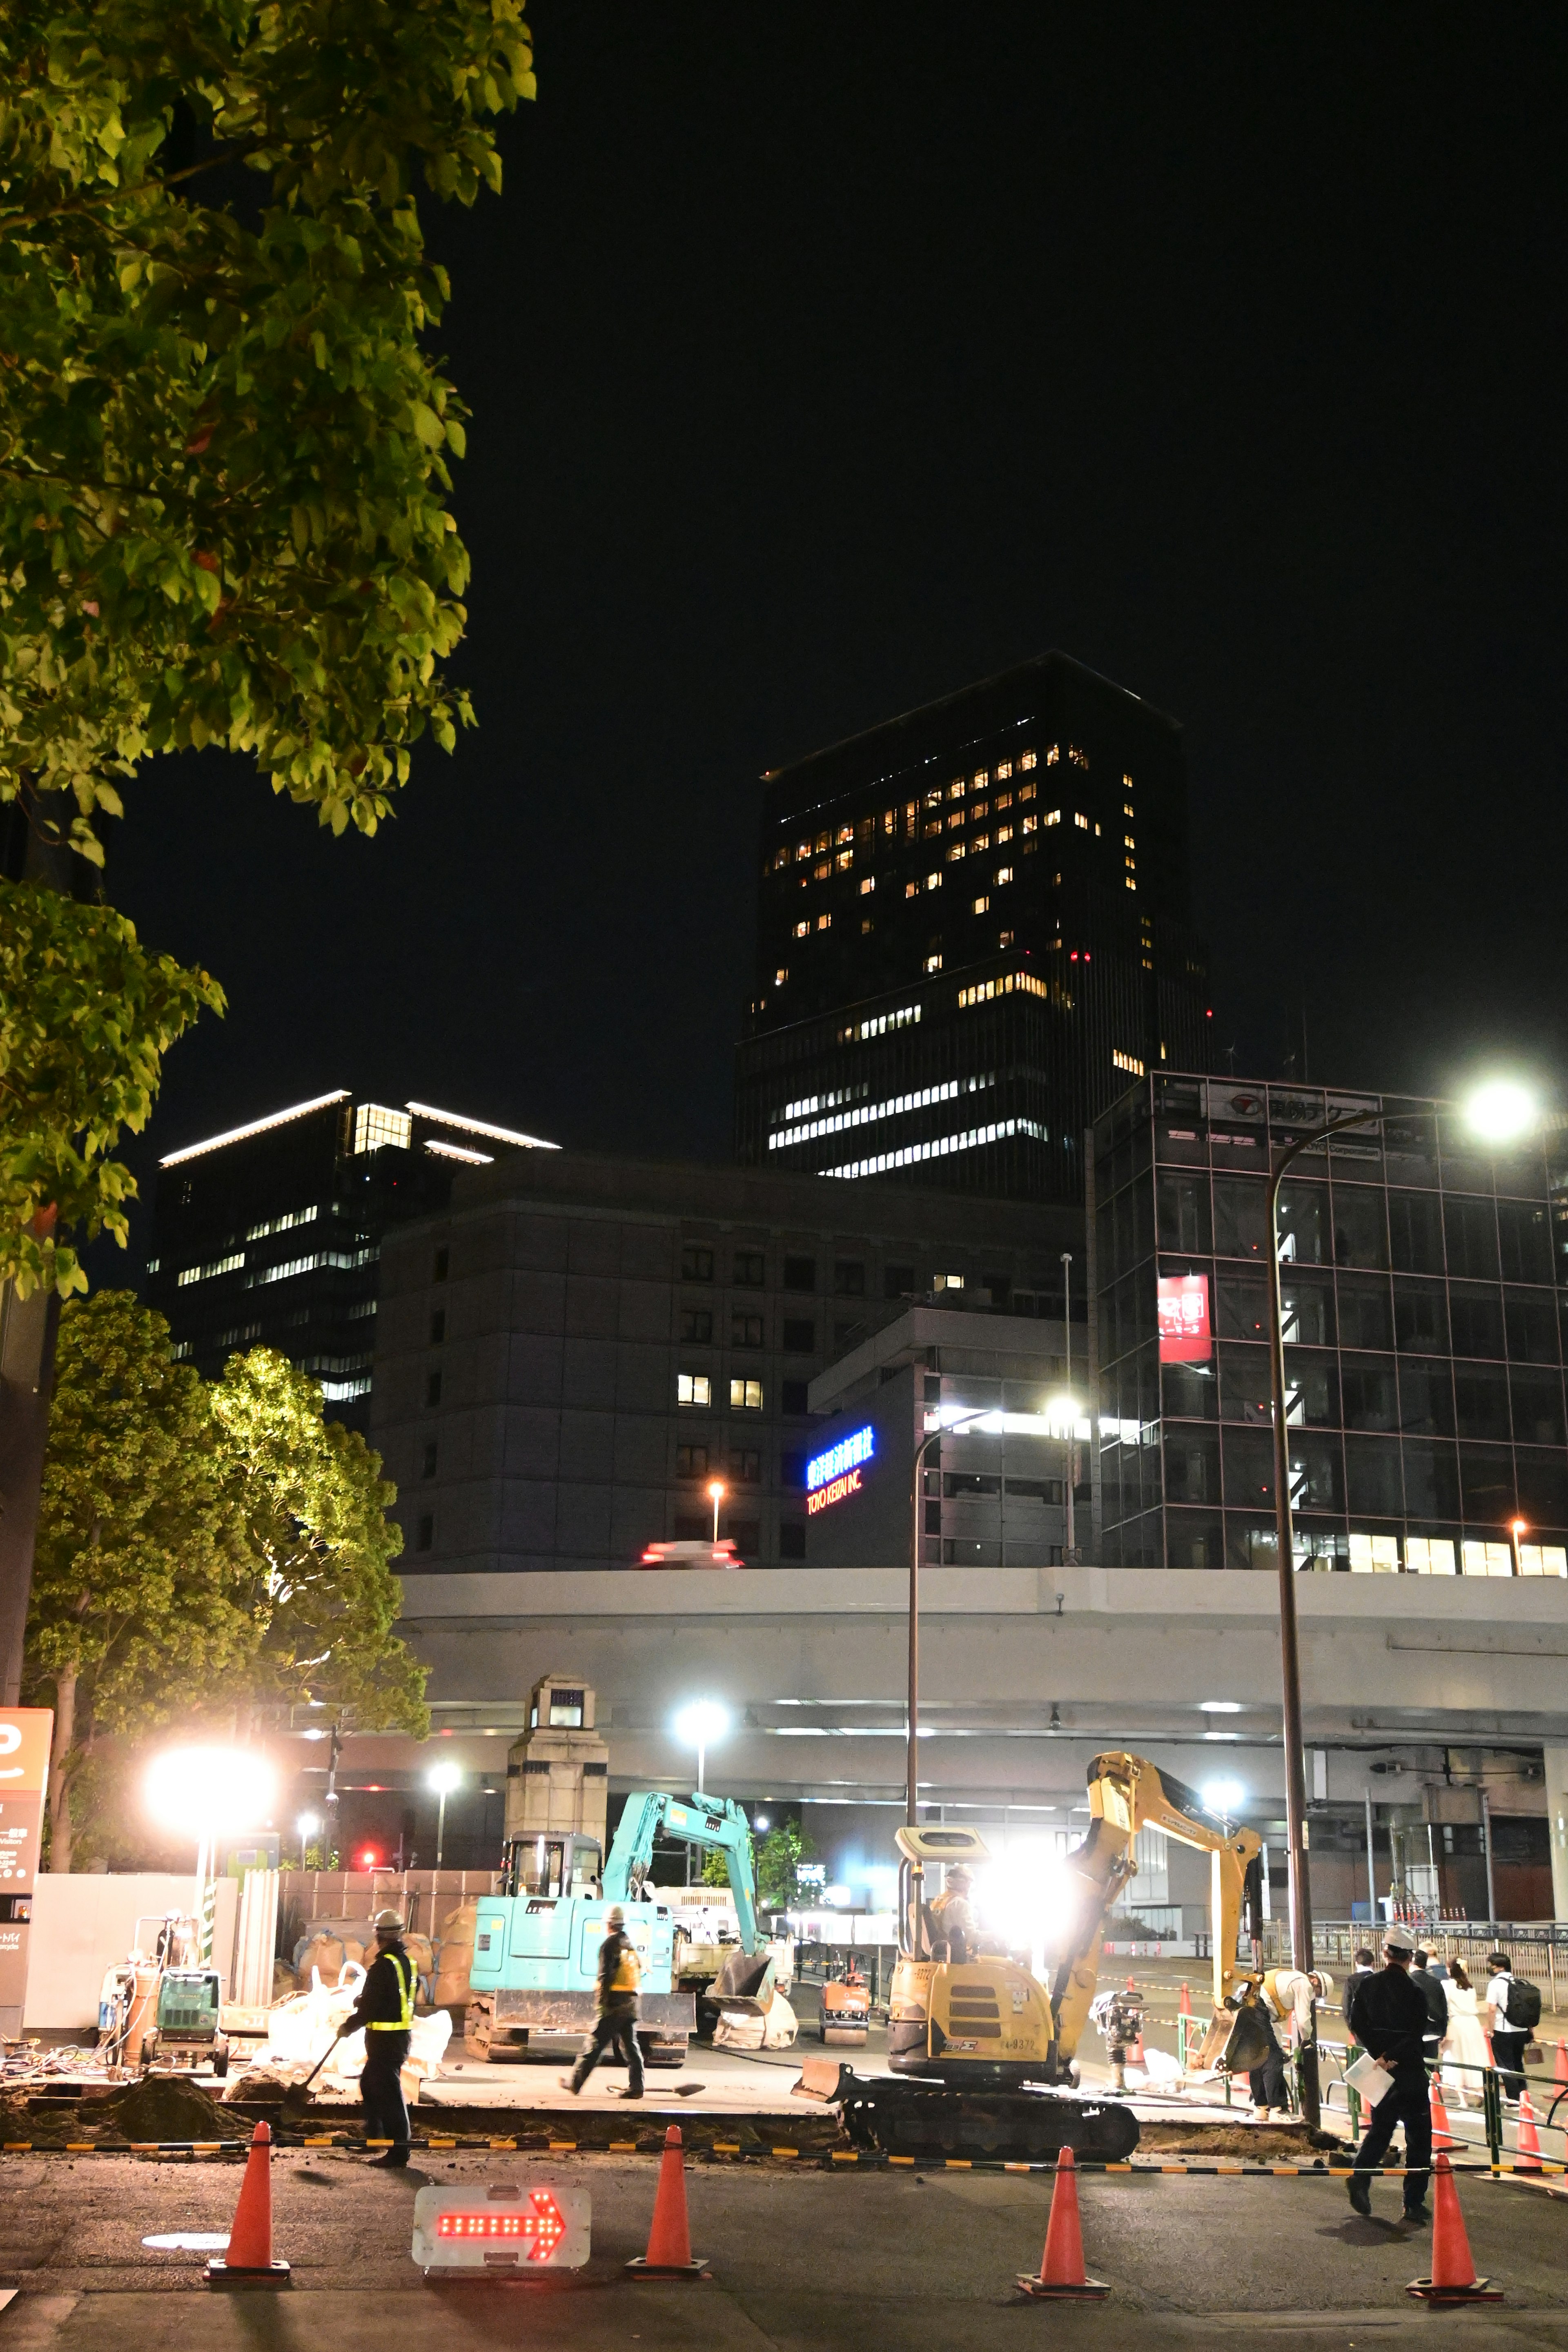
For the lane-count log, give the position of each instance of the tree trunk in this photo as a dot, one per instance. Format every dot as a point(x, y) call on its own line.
point(59, 1782)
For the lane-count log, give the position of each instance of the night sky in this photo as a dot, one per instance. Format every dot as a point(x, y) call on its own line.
point(823, 361)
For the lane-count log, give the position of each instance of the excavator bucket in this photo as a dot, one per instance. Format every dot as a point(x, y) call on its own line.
point(746, 1982)
point(1236, 2039)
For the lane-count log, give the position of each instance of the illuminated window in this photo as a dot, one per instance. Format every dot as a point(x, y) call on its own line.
point(955, 790)
point(1429, 1556)
point(1005, 940)
point(1126, 808)
point(273, 1225)
point(981, 906)
point(1128, 841)
point(693, 1387)
point(1132, 886)
point(1130, 864)
point(1027, 792)
point(819, 873)
point(1079, 759)
point(934, 827)
point(910, 889)
point(1004, 799)
point(939, 1147)
point(1127, 1062)
point(780, 858)
point(219, 1265)
point(956, 818)
point(1127, 783)
point(803, 851)
point(867, 884)
point(933, 798)
point(890, 819)
point(933, 963)
point(801, 929)
point(878, 1025)
point(1081, 822)
point(1097, 833)
point(824, 841)
point(866, 925)
point(983, 991)
point(845, 832)
point(980, 779)
point(981, 841)
point(1004, 874)
point(979, 810)
point(375, 1127)
point(1542, 1559)
point(745, 1396)
point(934, 881)
point(1477, 1559)
point(845, 859)
point(825, 922)
point(893, 1107)
point(1029, 824)
point(954, 849)
point(781, 976)
point(1003, 769)
point(1027, 759)
point(1004, 834)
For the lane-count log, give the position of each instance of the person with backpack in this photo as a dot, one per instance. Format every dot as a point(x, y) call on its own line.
point(1513, 2006)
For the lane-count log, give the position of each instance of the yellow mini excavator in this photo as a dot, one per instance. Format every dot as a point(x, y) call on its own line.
point(983, 2058)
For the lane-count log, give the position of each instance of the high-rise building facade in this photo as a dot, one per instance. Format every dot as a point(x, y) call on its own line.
point(1425, 1279)
point(269, 1235)
point(973, 928)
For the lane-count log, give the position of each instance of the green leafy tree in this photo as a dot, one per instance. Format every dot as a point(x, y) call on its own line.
point(780, 1855)
point(318, 1586)
point(223, 444)
point(138, 1605)
point(85, 1015)
point(208, 1554)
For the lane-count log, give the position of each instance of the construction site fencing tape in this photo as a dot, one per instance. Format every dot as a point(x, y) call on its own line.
point(871, 2160)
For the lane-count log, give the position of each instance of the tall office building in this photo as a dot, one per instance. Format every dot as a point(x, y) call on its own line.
point(269, 1235)
point(974, 930)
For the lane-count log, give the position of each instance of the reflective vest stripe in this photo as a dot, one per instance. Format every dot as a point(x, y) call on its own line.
point(405, 1989)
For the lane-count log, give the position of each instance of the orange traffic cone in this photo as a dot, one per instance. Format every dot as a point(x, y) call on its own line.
point(1562, 2067)
point(1062, 2275)
point(250, 2261)
point(1442, 2130)
point(668, 2254)
point(1453, 2278)
point(1527, 2157)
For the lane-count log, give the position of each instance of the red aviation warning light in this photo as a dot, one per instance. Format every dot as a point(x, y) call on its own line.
point(501, 2227)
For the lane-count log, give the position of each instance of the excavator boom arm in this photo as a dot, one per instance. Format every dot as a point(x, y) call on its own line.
point(1127, 1793)
point(705, 1822)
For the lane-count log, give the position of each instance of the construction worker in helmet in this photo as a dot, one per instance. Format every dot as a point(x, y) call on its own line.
point(386, 2011)
point(620, 1973)
point(952, 1916)
point(1285, 1997)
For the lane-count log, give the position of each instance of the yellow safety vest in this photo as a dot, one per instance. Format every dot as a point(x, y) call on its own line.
point(628, 1971)
point(406, 1987)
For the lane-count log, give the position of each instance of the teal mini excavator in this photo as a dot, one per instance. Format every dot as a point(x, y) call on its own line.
point(536, 1945)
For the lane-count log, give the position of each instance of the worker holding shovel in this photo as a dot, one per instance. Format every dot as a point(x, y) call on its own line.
point(386, 2011)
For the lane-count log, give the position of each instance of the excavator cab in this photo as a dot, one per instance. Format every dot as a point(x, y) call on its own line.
point(918, 1849)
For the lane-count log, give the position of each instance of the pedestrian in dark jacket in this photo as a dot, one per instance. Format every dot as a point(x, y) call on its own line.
point(620, 1973)
point(1388, 2016)
point(385, 2010)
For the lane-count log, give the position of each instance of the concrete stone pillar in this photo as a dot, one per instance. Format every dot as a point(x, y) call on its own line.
point(1556, 1761)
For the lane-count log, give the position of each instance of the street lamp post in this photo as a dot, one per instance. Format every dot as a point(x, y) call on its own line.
point(1069, 1552)
point(696, 1725)
point(1499, 1111)
point(716, 1496)
point(443, 1779)
point(932, 1437)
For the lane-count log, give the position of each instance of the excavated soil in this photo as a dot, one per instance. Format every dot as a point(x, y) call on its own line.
point(165, 2106)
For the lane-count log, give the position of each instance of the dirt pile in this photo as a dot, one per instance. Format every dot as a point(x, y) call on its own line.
point(167, 2106)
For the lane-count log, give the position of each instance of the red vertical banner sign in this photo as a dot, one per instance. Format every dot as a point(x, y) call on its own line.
point(26, 1735)
point(1183, 1307)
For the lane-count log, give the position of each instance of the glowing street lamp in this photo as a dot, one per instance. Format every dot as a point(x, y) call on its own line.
point(1500, 1111)
point(1516, 1529)
point(308, 1826)
point(698, 1725)
point(716, 1492)
point(443, 1779)
point(204, 1791)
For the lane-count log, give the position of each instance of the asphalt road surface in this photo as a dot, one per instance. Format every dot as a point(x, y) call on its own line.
point(802, 2261)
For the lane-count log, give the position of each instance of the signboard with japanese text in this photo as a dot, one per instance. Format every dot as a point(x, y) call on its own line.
point(1182, 1306)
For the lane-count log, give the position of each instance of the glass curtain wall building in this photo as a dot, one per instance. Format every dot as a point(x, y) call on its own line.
point(1424, 1283)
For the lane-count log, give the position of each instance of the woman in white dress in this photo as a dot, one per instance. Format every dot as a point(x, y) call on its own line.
point(1464, 2047)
